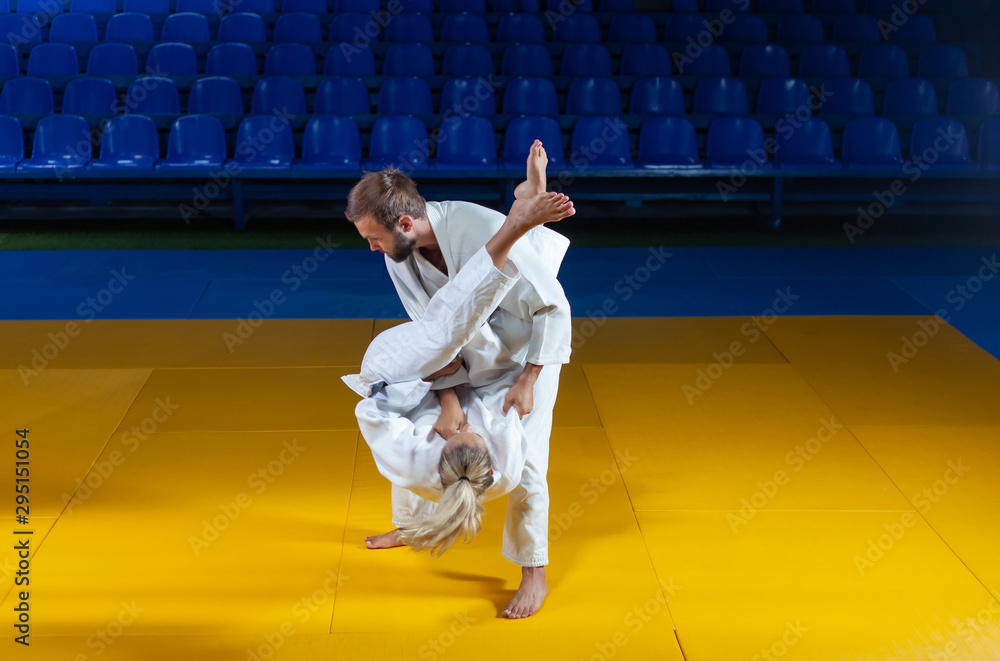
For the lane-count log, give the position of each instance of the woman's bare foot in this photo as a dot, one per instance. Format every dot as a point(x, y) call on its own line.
point(538, 160)
point(387, 540)
point(530, 594)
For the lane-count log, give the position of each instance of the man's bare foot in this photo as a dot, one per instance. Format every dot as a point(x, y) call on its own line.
point(535, 183)
point(530, 594)
point(387, 540)
point(542, 208)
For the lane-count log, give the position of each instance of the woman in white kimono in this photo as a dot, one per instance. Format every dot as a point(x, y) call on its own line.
point(400, 417)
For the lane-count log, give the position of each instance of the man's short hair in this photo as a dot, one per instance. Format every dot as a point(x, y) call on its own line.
point(385, 195)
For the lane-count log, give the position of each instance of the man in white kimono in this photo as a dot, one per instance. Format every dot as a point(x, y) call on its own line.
point(425, 244)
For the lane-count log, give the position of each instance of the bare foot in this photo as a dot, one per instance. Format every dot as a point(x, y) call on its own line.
point(386, 540)
point(535, 183)
point(542, 208)
point(530, 594)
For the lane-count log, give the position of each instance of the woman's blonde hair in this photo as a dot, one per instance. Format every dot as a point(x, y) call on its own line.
point(466, 473)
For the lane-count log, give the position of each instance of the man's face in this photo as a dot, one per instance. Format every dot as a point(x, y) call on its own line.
point(393, 242)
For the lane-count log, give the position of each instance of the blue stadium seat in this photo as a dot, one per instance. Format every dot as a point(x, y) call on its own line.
point(129, 142)
point(586, 60)
point(408, 60)
point(713, 61)
point(231, 60)
point(620, 5)
point(804, 28)
point(93, 6)
point(114, 59)
point(781, 6)
point(350, 62)
point(10, 61)
point(592, 143)
point(848, 96)
point(524, 28)
point(255, 152)
point(645, 60)
point(745, 27)
point(73, 27)
point(974, 96)
point(393, 144)
point(657, 95)
point(458, 6)
point(765, 60)
point(635, 28)
point(680, 26)
point(782, 95)
point(298, 27)
point(352, 26)
point(859, 28)
point(916, 29)
point(412, 28)
point(278, 93)
point(530, 95)
point(808, 146)
point(717, 6)
point(53, 60)
point(11, 143)
point(577, 28)
point(825, 60)
point(128, 27)
point(215, 95)
point(252, 6)
point(466, 143)
point(989, 145)
point(26, 96)
point(15, 27)
point(363, 6)
point(152, 95)
point(290, 60)
point(503, 6)
point(330, 142)
point(557, 5)
point(468, 96)
point(89, 96)
point(941, 143)
point(422, 6)
point(522, 132)
point(147, 6)
point(716, 95)
point(195, 142)
point(467, 60)
point(199, 6)
point(172, 59)
point(834, 6)
point(668, 142)
point(593, 96)
point(341, 95)
point(57, 145)
point(942, 60)
point(243, 28)
point(307, 6)
point(734, 142)
point(465, 28)
point(871, 142)
point(883, 60)
point(43, 7)
point(909, 96)
point(526, 60)
point(185, 27)
point(407, 95)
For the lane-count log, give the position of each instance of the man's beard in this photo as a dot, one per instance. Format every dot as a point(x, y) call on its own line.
point(403, 248)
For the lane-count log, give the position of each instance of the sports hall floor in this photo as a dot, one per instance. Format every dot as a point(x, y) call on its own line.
point(740, 468)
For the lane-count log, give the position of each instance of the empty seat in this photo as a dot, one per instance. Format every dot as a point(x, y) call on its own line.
point(883, 60)
point(586, 60)
point(465, 28)
point(243, 28)
point(977, 96)
point(467, 96)
point(26, 96)
point(408, 60)
point(916, 29)
point(734, 142)
point(601, 142)
point(781, 6)
point(93, 6)
point(834, 6)
point(809, 145)
point(942, 60)
point(765, 60)
point(57, 145)
point(668, 142)
point(53, 60)
point(350, 62)
point(10, 61)
point(20, 28)
point(278, 93)
point(298, 27)
point(466, 143)
point(341, 95)
point(558, 6)
point(264, 142)
point(89, 96)
point(352, 27)
point(172, 59)
point(231, 60)
point(467, 60)
point(409, 28)
point(800, 27)
point(909, 96)
point(718, 95)
point(44, 7)
point(185, 27)
point(681, 26)
point(307, 6)
point(404, 96)
point(593, 96)
point(11, 143)
point(198, 6)
point(657, 95)
point(713, 61)
point(745, 27)
point(456, 6)
point(365, 6)
point(114, 59)
point(525, 28)
point(941, 143)
point(330, 142)
point(782, 95)
point(632, 28)
point(394, 143)
point(195, 142)
point(290, 60)
point(526, 60)
point(645, 60)
point(252, 6)
point(848, 96)
point(129, 26)
point(129, 142)
point(577, 28)
point(73, 27)
point(215, 95)
point(989, 144)
point(871, 142)
point(147, 6)
point(522, 132)
point(826, 60)
point(857, 28)
point(411, 6)
point(530, 95)
point(151, 94)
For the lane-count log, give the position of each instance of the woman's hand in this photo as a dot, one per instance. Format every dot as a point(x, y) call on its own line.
point(452, 417)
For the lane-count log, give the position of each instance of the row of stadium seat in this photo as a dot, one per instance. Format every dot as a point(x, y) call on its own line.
point(293, 59)
point(198, 142)
point(522, 96)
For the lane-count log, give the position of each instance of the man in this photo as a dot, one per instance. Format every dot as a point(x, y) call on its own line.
point(426, 243)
